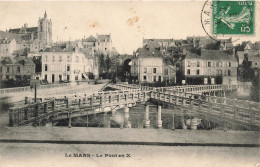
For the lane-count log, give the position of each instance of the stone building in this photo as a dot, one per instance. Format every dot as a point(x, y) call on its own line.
point(7, 47)
point(16, 67)
point(150, 66)
point(34, 38)
point(101, 44)
point(210, 67)
point(66, 65)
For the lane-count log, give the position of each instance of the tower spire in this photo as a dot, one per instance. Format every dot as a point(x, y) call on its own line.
point(45, 15)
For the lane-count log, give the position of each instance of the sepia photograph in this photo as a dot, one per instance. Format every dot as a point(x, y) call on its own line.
point(130, 83)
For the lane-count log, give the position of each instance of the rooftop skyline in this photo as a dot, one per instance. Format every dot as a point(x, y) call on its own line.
point(128, 22)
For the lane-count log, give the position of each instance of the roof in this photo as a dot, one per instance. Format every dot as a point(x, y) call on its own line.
point(191, 55)
point(60, 48)
point(10, 35)
point(217, 55)
point(102, 38)
point(254, 58)
point(90, 39)
point(17, 60)
point(148, 53)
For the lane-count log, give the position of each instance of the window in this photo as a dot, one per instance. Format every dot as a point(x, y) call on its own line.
point(220, 64)
point(154, 70)
point(7, 76)
point(154, 78)
point(188, 71)
point(0, 69)
point(134, 63)
point(256, 64)
point(60, 77)
point(53, 58)
point(166, 72)
point(68, 77)
point(145, 70)
point(198, 72)
point(198, 64)
point(220, 72)
point(229, 64)
point(68, 67)
point(229, 73)
point(76, 77)
point(144, 78)
point(7, 69)
point(60, 59)
point(188, 63)
point(18, 69)
point(68, 58)
point(45, 77)
point(105, 48)
point(217, 64)
point(209, 64)
point(46, 67)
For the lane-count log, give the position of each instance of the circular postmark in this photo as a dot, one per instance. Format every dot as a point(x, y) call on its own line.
point(228, 19)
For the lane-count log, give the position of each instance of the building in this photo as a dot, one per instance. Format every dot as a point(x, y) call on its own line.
point(254, 61)
point(66, 65)
point(16, 68)
point(101, 44)
point(150, 66)
point(211, 67)
point(34, 38)
point(246, 50)
point(7, 47)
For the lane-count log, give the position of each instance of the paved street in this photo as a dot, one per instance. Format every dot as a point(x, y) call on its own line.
point(25, 154)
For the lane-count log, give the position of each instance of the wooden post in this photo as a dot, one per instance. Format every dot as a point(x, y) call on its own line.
point(80, 102)
point(45, 107)
point(11, 118)
point(109, 99)
point(53, 105)
point(26, 100)
point(36, 107)
point(25, 114)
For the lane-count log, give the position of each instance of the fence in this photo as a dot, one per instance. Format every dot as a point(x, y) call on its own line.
point(27, 88)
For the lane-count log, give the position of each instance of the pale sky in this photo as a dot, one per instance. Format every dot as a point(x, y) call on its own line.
point(128, 22)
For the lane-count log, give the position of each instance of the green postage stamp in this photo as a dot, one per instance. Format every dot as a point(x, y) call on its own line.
point(233, 17)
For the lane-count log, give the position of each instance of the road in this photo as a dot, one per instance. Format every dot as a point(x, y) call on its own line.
point(41, 155)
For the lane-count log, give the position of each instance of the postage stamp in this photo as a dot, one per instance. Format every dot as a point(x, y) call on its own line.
point(233, 17)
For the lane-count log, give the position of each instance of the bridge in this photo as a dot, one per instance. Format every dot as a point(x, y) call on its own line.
point(187, 102)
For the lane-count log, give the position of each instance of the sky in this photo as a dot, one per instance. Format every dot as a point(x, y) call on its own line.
point(128, 22)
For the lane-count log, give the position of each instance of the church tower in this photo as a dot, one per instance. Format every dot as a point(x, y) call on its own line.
point(44, 31)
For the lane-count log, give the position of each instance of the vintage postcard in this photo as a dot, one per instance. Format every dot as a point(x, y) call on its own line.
point(130, 83)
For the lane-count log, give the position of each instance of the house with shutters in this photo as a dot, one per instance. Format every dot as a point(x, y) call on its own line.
point(148, 66)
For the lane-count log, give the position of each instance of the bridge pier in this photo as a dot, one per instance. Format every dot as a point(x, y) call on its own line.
point(69, 115)
point(147, 121)
point(173, 122)
point(127, 124)
point(159, 122)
